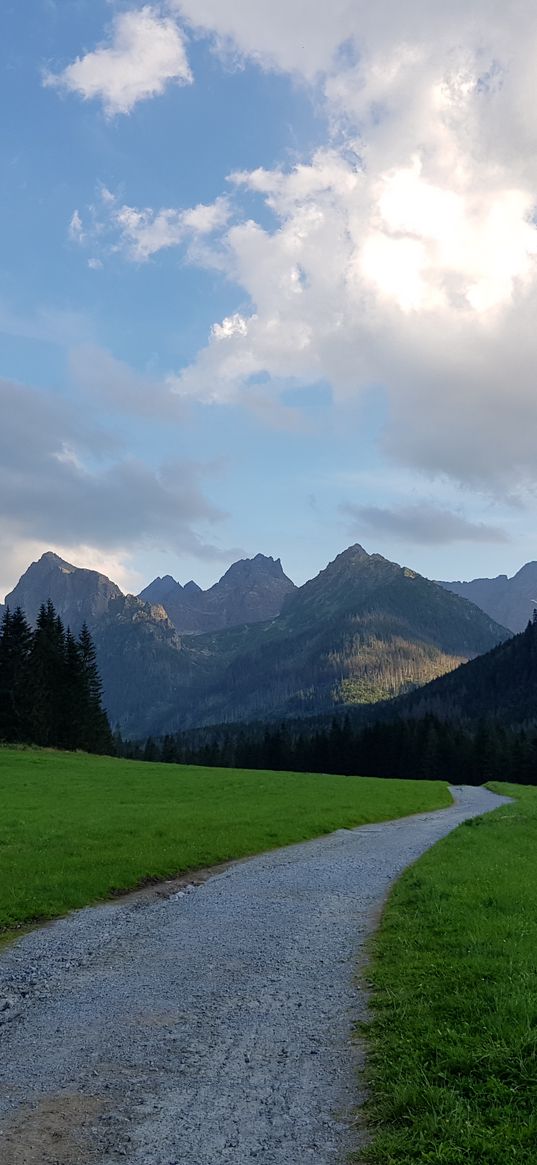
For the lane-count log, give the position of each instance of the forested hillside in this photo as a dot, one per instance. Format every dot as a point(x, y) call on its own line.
point(364, 630)
point(500, 685)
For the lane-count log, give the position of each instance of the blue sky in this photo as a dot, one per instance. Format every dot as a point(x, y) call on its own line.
point(267, 284)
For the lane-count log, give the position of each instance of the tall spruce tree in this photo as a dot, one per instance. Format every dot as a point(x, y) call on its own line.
point(76, 700)
point(46, 685)
point(97, 734)
point(15, 646)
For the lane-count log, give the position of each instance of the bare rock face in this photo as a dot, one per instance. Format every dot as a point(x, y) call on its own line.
point(509, 601)
point(78, 595)
point(251, 591)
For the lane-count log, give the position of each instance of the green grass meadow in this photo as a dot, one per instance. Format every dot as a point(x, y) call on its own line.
point(75, 828)
point(453, 1038)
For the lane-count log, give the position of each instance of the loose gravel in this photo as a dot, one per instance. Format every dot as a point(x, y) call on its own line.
point(211, 1027)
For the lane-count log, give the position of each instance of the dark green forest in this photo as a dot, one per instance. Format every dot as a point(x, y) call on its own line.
point(50, 688)
point(417, 749)
point(477, 723)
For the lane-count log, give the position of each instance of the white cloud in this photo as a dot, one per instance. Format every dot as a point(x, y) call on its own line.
point(76, 230)
point(234, 325)
point(404, 253)
point(141, 233)
point(297, 36)
point(146, 52)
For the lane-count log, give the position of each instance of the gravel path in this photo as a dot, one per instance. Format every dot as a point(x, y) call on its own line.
point(209, 1028)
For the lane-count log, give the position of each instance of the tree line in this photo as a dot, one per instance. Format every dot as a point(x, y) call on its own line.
point(427, 748)
point(50, 687)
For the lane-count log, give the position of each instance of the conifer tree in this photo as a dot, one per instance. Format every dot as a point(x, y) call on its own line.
point(15, 644)
point(46, 678)
point(50, 688)
point(76, 700)
point(97, 734)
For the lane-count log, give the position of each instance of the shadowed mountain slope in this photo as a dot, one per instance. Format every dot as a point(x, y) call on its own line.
point(364, 630)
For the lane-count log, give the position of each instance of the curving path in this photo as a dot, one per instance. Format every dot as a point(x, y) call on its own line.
point(209, 1028)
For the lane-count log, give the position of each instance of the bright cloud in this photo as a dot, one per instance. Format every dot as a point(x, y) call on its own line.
point(146, 52)
point(405, 252)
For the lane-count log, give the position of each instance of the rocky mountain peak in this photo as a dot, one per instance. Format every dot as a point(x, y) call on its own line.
point(157, 590)
point(79, 595)
point(261, 566)
point(50, 561)
point(527, 573)
point(251, 591)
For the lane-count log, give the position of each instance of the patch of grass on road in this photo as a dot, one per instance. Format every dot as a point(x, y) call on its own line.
point(453, 1039)
point(75, 828)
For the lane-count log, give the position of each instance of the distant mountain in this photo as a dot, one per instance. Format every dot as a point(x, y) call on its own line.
point(158, 589)
point(141, 663)
point(137, 646)
point(251, 591)
point(78, 595)
point(500, 685)
point(508, 600)
point(364, 630)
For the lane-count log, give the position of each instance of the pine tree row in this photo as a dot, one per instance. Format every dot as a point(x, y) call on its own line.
point(50, 688)
point(418, 749)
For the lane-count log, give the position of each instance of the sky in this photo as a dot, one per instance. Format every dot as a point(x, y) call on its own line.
point(268, 283)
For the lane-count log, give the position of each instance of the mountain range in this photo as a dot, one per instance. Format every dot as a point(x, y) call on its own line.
point(365, 629)
point(510, 601)
point(251, 591)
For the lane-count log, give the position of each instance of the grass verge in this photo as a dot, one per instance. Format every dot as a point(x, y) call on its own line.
point(452, 1061)
point(75, 828)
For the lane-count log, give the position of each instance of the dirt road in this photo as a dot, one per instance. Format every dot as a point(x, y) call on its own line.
point(209, 1028)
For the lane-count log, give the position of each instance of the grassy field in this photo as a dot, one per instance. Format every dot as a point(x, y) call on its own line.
point(75, 828)
point(453, 1040)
